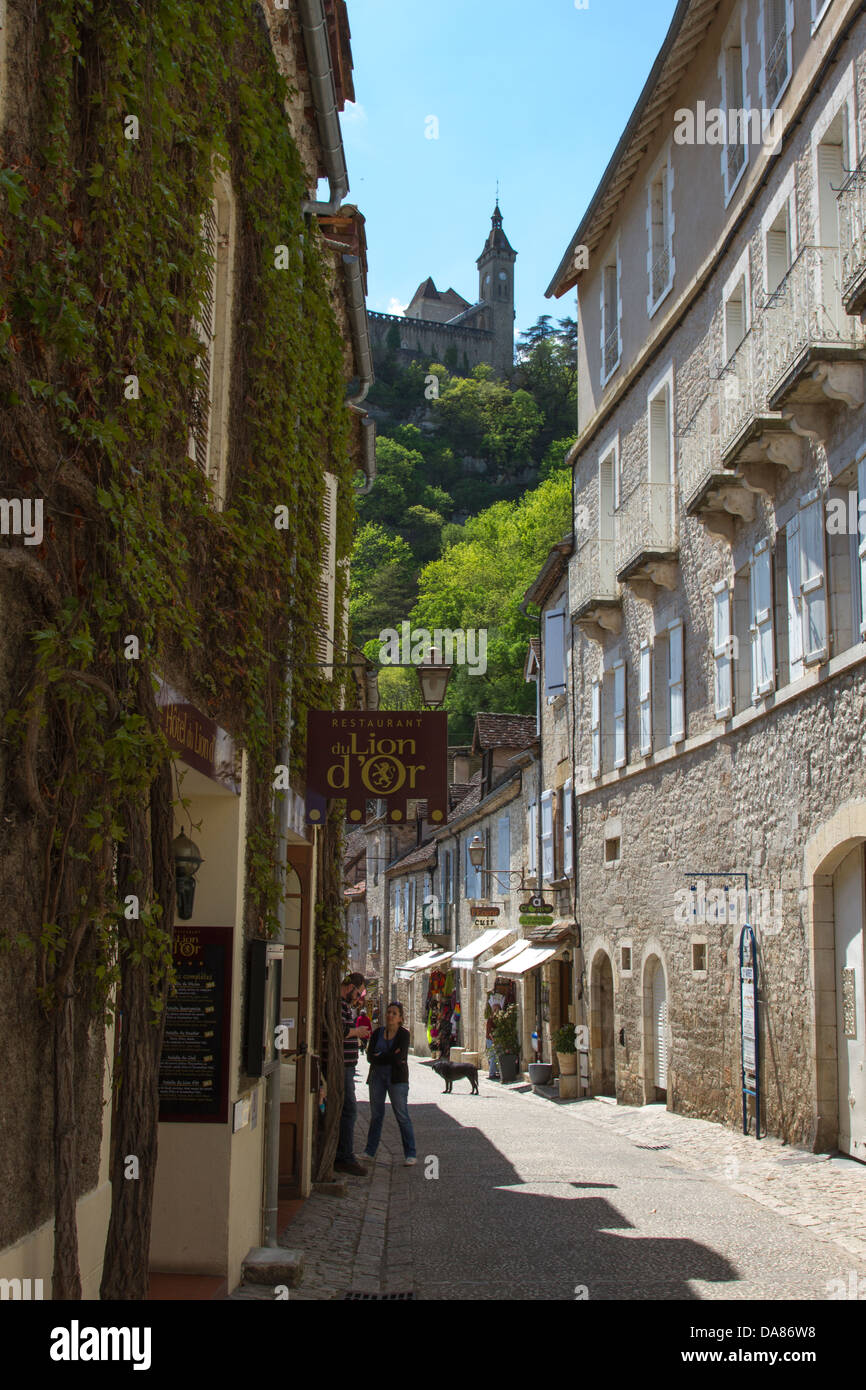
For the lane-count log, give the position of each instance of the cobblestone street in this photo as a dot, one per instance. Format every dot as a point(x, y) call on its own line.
point(536, 1198)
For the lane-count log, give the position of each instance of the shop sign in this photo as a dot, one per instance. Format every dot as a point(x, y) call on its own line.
point(201, 743)
point(391, 755)
point(483, 910)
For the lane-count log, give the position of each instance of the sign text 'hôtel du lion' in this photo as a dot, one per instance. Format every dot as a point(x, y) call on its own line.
point(361, 755)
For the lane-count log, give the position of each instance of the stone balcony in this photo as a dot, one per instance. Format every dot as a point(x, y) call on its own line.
point(814, 350)
point(645, 552)
point(709, 490)
point(594, 594)
point(852, 237)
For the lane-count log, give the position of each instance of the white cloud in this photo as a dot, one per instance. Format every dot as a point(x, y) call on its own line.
point(395, 307)
point(354, 113)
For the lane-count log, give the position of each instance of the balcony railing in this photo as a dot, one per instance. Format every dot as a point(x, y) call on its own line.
point(776, 66)
point(698, 451)
point(660, 273)
point(593, 575)
point(736, 158)
point(611, 351)
point(806, 315)
point(852, 234)
point(646, 525)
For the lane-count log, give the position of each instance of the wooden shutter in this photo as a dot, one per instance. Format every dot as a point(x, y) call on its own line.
point(596, 728)
point(795, 601)
point(831, 176)
point(327, 578)
point(723, 681)
point(761, 592)
point(554, 653)
point(676, 683)
point(503, 855)
point(660, 1027)
point(203, 326)
point(620, 751)
point(645, 695)
point(547, 835)
point(735, 320)
point(778, 255)
point(813, 579)
point(861, 541)
point(567, 829)
point(532, 835)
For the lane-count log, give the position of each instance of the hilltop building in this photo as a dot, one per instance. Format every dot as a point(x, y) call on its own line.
point(442, 326)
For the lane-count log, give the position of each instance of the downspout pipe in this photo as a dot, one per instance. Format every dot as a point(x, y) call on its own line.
point(315, 32)
point(360, 326)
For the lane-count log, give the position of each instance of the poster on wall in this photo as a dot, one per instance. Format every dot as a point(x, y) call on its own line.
point(395, 756)
point(194, 1067)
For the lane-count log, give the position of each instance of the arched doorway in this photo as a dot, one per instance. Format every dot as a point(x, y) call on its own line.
point(655, 996)
point(835, 872)
point(601, 1027)
point(848, 914)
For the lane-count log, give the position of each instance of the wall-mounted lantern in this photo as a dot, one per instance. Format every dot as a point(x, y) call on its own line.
point(187, 862)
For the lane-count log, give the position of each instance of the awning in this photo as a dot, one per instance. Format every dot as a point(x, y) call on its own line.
point(467, 956)
point(508, 954)
point(426, 962)
point(528, 959)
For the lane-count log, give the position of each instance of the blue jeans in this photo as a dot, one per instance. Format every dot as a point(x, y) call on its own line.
point(345, 1147)
point(492, 1073)
point(399, 1094)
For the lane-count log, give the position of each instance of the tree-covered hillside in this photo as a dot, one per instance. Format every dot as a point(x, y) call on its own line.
point(470, 495)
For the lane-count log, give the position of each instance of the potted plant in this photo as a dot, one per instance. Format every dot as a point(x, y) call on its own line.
point(566, 1049)
point(507, 1043)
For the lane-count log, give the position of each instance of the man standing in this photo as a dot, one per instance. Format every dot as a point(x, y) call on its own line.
point(350, 993)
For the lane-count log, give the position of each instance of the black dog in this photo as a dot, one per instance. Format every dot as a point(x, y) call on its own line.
point(451, 1072)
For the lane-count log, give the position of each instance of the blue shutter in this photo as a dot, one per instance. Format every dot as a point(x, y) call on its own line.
point(554, 653)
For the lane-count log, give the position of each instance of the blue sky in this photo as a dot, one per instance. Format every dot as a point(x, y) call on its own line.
point(532, 92)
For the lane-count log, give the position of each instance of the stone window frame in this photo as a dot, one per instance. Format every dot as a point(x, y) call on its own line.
point(612, 260)
point(698, 972)
point(819, 8)
point(740, 275)
point(841, 99)
point(785, 197)
point(626, 972)
point(790, 18)
point(663, 169)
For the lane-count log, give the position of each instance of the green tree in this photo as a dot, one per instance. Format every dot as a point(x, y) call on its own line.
point(383, 582)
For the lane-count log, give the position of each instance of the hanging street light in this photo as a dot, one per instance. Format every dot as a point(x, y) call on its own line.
point(433, 674)
point(187, 862)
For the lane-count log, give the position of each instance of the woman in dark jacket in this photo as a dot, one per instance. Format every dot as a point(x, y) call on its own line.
point(388, 1055)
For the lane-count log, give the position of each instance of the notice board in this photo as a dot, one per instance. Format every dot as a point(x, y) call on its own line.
point(194, 1067)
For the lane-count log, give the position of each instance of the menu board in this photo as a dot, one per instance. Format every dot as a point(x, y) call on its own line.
point(194, 1071)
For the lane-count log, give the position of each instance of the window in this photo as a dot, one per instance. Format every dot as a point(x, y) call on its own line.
point(567, 830)
point(699, 956)
point(502, 883)
point(611, 317)
point(554, 654)
point(775, 50)
point(813, 582)
point(393, 898)
point(608, 499)
point(793, 586)
point(736, 318)
point(819, 9)
point(620, 750)
point(736, 151)
point(208, 437)
point(612, 849)
point(625, 959)
point(723, 685)
point(778, 249)
point(761, 621)
point(660, 226)
point(676, 684)
point(661, 514)
point(532, 837)
point(547, 864)
point(473, 875)
point(411, 905)
point(327, 579)
point(595, 727)
point(645, 697)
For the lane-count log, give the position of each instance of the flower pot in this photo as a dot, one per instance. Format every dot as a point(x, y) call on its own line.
point(567, 1063)
point(541, 1073)
point(508, 1066)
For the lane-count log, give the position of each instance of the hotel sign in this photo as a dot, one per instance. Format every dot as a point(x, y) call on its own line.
point(201, 743)
point(392, 755)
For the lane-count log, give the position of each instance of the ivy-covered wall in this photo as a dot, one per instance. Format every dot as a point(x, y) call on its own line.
point(102, 274)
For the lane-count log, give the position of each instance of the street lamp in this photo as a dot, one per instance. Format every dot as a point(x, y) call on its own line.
point(187, 862)
point(433, 674)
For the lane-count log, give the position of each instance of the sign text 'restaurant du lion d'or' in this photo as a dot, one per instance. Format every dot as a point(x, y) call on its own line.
point(359, 755)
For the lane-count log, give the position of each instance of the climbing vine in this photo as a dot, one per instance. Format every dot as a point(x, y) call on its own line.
point(104, 272)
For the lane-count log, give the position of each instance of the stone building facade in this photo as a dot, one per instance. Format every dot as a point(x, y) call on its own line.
point(718, 667)
point(442, 326)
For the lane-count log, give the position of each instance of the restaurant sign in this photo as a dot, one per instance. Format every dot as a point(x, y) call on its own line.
point(393, 755)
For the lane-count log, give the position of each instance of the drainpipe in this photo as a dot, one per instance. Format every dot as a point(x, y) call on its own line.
point(315, 31)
